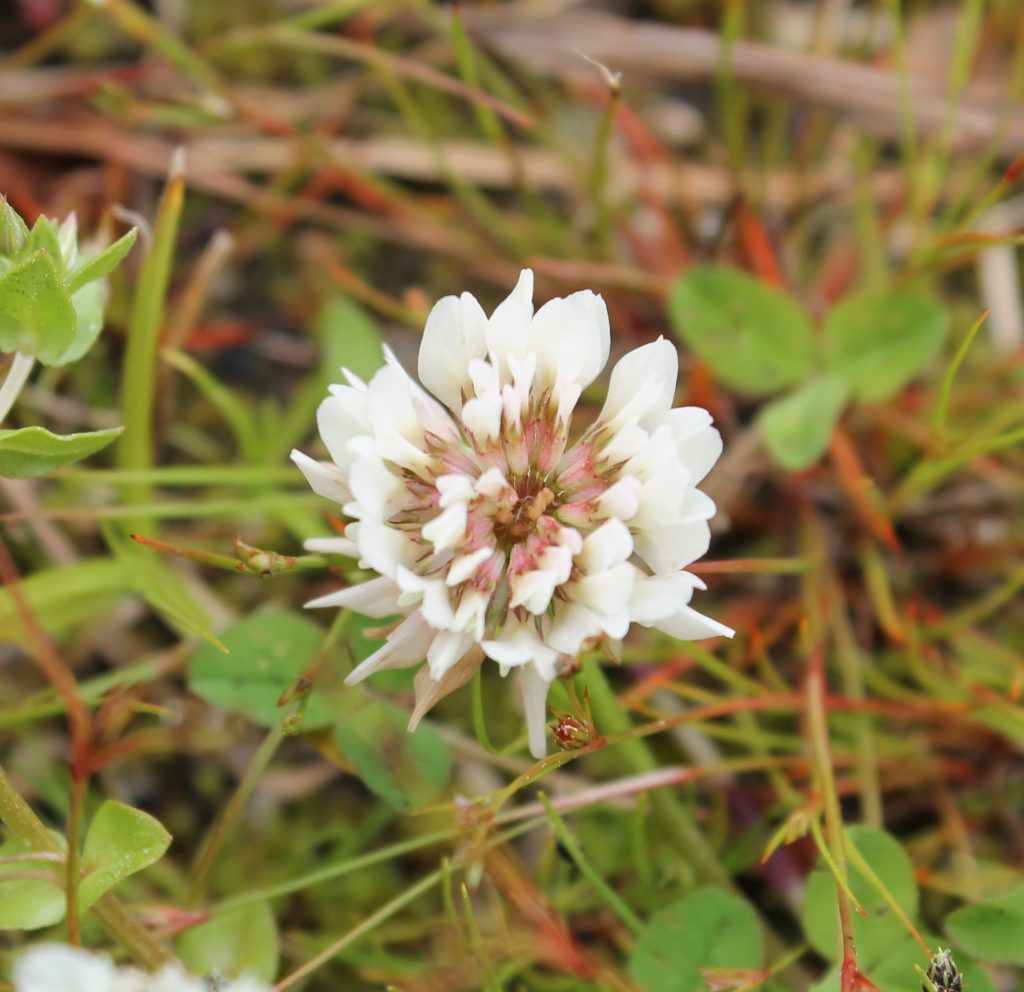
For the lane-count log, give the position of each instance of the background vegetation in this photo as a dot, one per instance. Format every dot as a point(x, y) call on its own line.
point(818, 200)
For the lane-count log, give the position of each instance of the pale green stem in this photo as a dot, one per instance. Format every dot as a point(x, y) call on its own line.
point(17, 376)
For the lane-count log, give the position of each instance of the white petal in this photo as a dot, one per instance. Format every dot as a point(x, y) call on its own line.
point(485, 377)
point(374, 598)
point(697, 442)
point(482, 417)
point(700, 452)
point(533, 590)
point(454, 336)
point(378, 492)
point(493, 484)
point(535, 708)
point(605, 593)
point(61, 968)
point(406, 645)
point(463, 567)
point(324, 478)
point(519, 644)
point(340, 418)
point(471, 614)
point(509, 324)
point(621, 499)
point(697, 506)
point(573, 625)
point(572, 337)
point(448, 528)
point(658, 596)
point(689, 625)
point(454, 488)
point(431, 416)
point(611, 544)
point(623, 444)
point(432, 595)
point(642, 385)
point(391, 410)
point(446, 649)
point(332, 546)
point(383, 548)
point(668, 549)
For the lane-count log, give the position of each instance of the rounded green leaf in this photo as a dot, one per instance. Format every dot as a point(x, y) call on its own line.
point(89, 303)
point(797, 427)
point(266, 654)
point(29, 903)
point(881, 931)
point(121, 840)
point(32, 451)
point(878, 341)
point(36, 316)
point(234, 942)
point(992, 930)
point(708, 928)
point(404, 769)
point(753, 336)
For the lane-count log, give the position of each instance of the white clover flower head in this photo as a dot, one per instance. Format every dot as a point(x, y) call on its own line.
point(491, 531)
point(63, 968)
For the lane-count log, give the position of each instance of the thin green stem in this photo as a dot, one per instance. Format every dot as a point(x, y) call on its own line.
point(611, 898)
point(73, 861)
point(817, 725)
point(214, 839)
point(389, 909)
point(673, 816)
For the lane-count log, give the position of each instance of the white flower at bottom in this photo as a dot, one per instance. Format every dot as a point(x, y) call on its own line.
point(63, 968)
point(492, 533)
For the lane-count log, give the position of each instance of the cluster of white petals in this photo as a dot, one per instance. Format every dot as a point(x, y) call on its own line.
point(491, 532)
point(62, 968)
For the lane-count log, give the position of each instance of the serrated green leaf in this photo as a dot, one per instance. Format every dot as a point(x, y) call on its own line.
point(120, 841)
point(754, 337)
point(878, 341)
point(36, 316)
point(404, 769)
point(32, 451)
point(266, 653)
point(882, 931)
point(797, 427)
point(29, 903)
point(102, 264)
point(708, 928)
point(234, 942)
point(992, 930)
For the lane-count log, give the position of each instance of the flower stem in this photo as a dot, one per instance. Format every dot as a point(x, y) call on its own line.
point(817, 726)
point(17, 376)
point(674, 817)
point(73, 858)
point(212, 842)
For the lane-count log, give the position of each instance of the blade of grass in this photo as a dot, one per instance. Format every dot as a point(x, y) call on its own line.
point(136, 448)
